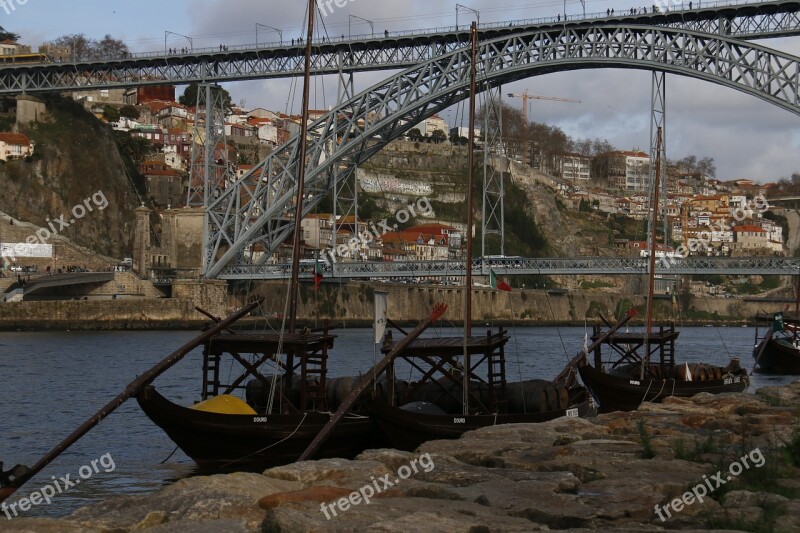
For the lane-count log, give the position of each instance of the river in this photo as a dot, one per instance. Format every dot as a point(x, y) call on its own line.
point(53, 381)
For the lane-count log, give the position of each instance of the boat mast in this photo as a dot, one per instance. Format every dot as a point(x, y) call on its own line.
point(468, 236)
point(652, 276)
point(301, 171)
point(471, 180)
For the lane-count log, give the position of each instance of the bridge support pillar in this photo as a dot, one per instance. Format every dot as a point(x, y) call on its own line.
point(658, 119)
point(211, 169)
point(495, 166)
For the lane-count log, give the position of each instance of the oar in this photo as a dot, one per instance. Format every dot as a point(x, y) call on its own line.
point(764, 342)
point(132, 389)
point(367, 380)
point(583, 353)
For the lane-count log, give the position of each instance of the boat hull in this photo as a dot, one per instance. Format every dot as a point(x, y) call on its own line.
point(252, 442)
point(617, 393)
point(407, 430)
point(779, 357)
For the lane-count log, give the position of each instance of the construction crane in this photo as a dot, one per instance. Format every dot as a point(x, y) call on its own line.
point(525, 97)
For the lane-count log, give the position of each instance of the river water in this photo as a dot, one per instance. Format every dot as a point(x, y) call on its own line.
point(53, 381)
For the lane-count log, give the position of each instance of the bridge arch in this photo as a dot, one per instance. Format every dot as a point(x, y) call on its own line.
point(257, 208)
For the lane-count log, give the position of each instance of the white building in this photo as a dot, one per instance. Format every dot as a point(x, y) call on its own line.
point(431, 124)
point(573, 167)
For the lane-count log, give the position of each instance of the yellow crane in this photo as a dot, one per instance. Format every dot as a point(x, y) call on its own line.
point(526, 97)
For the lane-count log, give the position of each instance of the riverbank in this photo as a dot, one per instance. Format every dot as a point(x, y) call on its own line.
point(351, 305)
point(726, 462)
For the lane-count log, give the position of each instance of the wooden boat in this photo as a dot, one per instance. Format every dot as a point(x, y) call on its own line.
point(252, 442)
point(778, 351)
point(617, 384)
point(463, 384)
point(628, 378)
point(433, 408)
point(256, 435)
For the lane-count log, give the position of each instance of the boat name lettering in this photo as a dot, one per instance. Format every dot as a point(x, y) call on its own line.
point(572, 413)
point(459, 421)
point(634, 382)
point(257, 419)
point(735, 379)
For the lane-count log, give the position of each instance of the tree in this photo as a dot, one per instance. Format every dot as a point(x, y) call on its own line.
point(110, 113)
point(189, 97)
point(438, 137)
point(85, 49)
point(415, 135)
point(129, 111)
point(8, 35)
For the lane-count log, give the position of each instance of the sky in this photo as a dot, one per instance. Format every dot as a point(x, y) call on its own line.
point(747, 137)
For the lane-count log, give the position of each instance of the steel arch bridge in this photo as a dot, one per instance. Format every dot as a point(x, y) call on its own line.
point(254, 213)
point(757, 20)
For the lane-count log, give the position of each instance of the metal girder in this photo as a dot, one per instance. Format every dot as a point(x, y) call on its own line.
point(495, 164)
point(354, 131)
point(658, 120)
point(210, 169)
point(523, 267)
point(402, 50)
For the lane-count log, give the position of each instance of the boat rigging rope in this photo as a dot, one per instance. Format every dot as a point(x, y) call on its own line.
point(270, 446)
point(516, 353)
point(725, 346)
point(170, 455)
point(553, 315)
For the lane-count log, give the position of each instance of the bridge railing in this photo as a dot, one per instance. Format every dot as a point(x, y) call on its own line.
point(527, 266)
point(192, 52)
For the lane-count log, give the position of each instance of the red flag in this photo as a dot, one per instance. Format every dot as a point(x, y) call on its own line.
point(317, 275)
point(497, 284)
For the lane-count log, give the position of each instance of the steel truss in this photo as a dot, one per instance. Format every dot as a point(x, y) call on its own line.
point(445, 270)
point(495, 164)
point(256, 209)
point(750, 21)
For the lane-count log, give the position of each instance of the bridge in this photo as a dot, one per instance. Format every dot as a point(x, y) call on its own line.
point(257, 209)
point(394, 51)
point(630, 266)
point(42, 281)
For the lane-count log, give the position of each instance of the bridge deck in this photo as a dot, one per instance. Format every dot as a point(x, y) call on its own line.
point(372, 52)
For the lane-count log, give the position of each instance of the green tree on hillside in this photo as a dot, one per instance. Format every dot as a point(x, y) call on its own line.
point(189, 97)
point(8, 35)
point(129, 111)
point(438, 136)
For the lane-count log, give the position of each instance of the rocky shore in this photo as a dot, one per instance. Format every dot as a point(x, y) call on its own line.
point(727, 462)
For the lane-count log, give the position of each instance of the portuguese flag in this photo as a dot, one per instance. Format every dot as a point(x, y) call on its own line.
point(499, 285)
point(317, 274)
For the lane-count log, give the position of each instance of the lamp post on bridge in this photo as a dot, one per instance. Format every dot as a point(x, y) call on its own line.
point(167, 32)
point(351, 17)
point(477, 14)
point(280, 33)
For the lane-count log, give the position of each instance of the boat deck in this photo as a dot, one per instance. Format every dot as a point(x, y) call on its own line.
point(268, 342)
point(444, 346)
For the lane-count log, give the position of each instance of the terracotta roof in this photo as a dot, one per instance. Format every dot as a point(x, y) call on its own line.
point(750, 228)
point(15, 138)
point(161, 173)
point(431, 228)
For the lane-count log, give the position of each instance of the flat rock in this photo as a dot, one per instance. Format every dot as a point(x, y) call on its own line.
point(194, 499)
